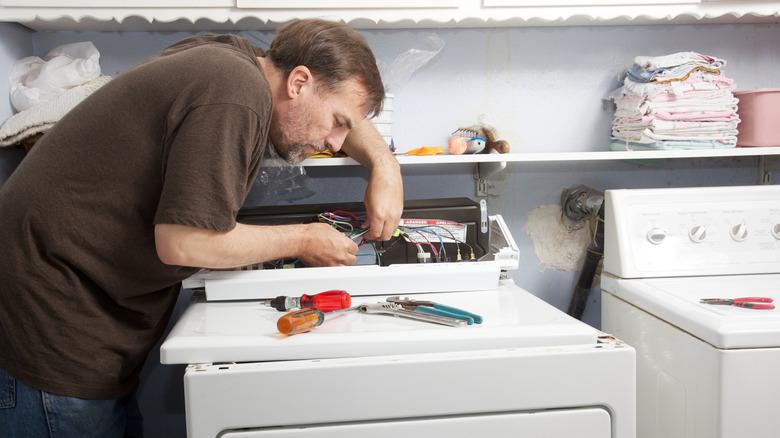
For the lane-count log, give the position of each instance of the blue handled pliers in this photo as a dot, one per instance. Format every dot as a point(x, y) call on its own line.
point(434, 308)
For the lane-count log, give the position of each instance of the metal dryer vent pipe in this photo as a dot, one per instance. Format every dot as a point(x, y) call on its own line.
point(578, 206)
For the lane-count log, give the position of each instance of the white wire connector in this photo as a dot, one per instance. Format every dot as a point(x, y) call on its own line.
point(423, 257)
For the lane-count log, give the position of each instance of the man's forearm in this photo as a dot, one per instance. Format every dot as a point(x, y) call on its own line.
point(243, 245)
point(367, 147)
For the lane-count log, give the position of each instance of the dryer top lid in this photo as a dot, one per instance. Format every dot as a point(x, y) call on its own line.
point(211, 332)
point(676, 301)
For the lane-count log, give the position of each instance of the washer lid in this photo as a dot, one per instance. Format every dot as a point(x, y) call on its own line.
point(676, 301)
point(246, 331)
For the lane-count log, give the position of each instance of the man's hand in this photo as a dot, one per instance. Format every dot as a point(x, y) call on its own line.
point(384, 200)
point(385, 193)
point(322, 245)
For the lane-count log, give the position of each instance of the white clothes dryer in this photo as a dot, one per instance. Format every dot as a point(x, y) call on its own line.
point(703, 371)
point(527, 370)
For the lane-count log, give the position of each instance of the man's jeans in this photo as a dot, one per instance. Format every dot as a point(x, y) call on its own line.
point(26, 412)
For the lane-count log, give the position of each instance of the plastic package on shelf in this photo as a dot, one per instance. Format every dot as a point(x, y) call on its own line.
point(397, 73)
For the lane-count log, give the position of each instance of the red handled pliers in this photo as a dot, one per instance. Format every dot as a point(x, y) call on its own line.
point(746, 302)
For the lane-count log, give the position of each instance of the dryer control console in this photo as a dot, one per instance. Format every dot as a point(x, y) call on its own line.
point(692, 231)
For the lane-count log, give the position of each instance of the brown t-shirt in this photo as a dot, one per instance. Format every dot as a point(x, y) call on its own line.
point(176, 140)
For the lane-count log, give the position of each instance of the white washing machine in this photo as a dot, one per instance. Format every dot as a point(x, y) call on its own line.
point(527, 370)
point(703, 371)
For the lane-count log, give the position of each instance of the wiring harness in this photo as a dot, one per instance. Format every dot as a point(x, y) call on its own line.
point(428, 238)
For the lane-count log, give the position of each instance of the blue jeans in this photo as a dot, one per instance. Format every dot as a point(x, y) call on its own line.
point(26, 412)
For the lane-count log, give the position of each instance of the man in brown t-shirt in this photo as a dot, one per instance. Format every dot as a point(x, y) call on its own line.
point(139, 186)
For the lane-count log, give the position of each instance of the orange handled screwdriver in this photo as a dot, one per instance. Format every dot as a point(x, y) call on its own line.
point(301, 321)
point(327, 301)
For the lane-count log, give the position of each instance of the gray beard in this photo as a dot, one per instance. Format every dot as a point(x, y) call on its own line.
point(295, 154)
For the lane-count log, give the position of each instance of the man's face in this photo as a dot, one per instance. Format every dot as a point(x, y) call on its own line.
point(311, 119)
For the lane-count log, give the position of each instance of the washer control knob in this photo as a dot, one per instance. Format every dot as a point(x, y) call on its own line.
point(656, 236)
point(739, 232)
point(698, 233)
point(776, 231)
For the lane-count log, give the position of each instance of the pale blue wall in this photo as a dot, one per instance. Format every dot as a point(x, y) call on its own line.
point(15, 43)
point(541, 87)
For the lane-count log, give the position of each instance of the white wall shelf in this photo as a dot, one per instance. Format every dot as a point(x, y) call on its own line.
point(559, 156)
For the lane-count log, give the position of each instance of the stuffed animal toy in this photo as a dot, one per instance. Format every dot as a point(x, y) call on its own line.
point(476, 139)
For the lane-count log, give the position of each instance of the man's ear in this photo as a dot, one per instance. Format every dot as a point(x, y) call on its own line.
point(299, 79)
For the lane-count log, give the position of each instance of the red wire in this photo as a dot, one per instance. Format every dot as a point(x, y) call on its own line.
point(349, 214)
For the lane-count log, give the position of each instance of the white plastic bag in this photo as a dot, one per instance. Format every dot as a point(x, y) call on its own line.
point(35, 80)
point(404, 65)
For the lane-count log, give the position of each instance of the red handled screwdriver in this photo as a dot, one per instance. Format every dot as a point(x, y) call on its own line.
point(327, 301)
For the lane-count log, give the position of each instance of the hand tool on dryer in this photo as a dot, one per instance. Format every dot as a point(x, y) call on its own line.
point(303, 320)
point(327, 301)
point(433, 308)
point(395, 309)
point(758, 303)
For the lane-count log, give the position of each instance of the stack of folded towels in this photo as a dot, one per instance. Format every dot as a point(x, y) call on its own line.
point(677, 101)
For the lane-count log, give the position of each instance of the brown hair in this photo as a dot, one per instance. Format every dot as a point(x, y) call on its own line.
point(334, 52)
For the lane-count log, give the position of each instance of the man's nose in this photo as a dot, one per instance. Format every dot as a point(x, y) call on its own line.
point(335, 140)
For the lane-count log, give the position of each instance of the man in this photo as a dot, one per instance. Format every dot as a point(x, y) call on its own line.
point(139, 186)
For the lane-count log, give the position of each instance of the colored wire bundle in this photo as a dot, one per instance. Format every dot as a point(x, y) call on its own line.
point(349, 223)
point(428, 236)
point(432, 230)
point(341, 223)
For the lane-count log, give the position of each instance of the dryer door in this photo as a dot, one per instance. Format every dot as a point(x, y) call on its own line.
point(569, 423)
point(558, 391)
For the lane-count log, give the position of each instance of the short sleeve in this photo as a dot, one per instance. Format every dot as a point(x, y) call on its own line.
point(207, 167)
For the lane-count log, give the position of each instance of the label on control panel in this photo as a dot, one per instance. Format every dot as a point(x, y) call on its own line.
point(434, 230)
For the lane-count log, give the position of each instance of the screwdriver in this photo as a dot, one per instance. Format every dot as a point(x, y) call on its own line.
point(301, 321)
point(327, 301)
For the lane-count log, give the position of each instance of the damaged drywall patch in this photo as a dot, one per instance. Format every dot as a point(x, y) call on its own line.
point(555, 246)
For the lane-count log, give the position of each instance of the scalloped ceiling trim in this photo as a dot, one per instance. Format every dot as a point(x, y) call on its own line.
point(150, 23)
